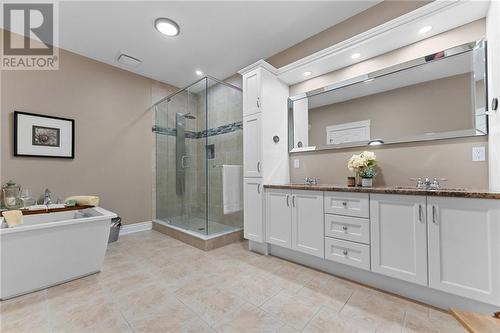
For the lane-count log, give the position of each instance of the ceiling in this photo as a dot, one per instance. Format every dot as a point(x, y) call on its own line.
point(218, 38)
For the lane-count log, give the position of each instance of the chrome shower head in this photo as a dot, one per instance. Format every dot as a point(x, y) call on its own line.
point(188, 115)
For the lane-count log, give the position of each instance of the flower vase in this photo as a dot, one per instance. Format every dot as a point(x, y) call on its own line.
point(359, 181)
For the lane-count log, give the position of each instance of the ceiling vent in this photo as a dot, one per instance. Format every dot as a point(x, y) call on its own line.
point(128, 60)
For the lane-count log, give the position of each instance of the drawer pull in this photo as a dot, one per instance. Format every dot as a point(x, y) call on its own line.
point(287, 200)
point(344, 204)
point(344, 227)
point(345, 252)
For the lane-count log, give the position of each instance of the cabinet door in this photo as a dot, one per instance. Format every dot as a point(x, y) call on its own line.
point(399, 237)
point(252, 216)
point(464, 247)
point(251, 93)
point(279, 217)
point(252, 146)
point(308, 232)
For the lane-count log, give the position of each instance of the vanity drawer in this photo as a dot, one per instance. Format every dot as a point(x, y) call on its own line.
point(348, 228)
point(348, 253)
point(348, 204)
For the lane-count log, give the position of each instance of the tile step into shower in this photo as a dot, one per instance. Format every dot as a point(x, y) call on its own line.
point(200, 241)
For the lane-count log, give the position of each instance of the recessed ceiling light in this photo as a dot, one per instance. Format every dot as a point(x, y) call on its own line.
point(307, 73)
point(356, 55)
point(167, 26)
point(425, 29)
point(376, 142)
point(199, 73)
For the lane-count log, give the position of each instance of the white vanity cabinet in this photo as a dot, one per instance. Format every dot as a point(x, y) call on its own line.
point(399, 236)
point(253, 221)
point(279, 217)
point(294, 220)
point(464, 247)
point(307, 222)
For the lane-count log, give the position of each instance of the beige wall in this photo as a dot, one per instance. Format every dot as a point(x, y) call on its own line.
point(370, 18)
point(435, 106)
point(398, 163)
point(447, 158)
point(113, 120)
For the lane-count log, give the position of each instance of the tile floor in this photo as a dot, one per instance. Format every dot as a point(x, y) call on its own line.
point(153, 283)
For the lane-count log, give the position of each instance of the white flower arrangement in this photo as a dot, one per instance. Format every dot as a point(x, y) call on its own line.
point(367, 160)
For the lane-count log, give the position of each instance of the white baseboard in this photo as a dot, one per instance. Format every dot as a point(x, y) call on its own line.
point(135, 227)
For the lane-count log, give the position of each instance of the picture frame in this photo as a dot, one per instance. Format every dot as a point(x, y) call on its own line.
point(38, 135)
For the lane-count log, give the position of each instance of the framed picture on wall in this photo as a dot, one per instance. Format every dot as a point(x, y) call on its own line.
point(39, 135)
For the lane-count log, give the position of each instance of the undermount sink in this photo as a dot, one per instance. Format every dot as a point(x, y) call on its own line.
point(423, 189)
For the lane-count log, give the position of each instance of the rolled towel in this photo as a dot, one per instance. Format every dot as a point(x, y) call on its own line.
point(84, 200)
point(13, 217)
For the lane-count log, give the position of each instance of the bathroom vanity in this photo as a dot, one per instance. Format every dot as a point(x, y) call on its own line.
point(445, 240)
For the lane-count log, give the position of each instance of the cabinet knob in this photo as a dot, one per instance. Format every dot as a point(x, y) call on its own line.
point(345, 252)
point(344, 204)
point(344, 228)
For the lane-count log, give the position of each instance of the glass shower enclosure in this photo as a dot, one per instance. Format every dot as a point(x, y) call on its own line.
point(199, 157)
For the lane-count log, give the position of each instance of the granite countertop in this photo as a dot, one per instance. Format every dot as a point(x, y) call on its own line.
point(444, 192)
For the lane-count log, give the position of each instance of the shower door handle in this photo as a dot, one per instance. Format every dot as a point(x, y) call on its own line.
point(183, 164)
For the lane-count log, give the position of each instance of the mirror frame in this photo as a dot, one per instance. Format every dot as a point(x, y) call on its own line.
point(460, 49)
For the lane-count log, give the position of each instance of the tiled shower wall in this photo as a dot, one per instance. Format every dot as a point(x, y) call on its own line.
point(218, 125)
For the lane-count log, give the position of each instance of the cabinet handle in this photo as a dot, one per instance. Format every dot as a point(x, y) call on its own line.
point(344, 204)
point(258, 102)
point(258, 166)
point(287, 200)
point(420, 213)
point(434, 214)
point(258, 188)
point(344, 228)
point(293, 200)
point(345, 252)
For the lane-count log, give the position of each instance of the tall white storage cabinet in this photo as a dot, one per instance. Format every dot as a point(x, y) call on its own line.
point(265, 146)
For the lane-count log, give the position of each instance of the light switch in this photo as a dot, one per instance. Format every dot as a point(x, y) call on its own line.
point(478, 154)
point(296, 164)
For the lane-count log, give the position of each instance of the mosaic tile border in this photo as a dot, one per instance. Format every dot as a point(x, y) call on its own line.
point(223, 129)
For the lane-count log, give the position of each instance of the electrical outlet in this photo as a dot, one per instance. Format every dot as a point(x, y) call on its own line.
point(296, 164)
point(478, 154)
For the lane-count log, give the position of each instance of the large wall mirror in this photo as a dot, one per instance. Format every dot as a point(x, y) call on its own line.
point(440, 96)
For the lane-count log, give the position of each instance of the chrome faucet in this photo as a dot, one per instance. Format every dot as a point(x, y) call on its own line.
point(47, 197)
point(427, 184)
point(311, 181)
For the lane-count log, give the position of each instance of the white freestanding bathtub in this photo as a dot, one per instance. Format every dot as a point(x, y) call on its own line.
point(48, 249)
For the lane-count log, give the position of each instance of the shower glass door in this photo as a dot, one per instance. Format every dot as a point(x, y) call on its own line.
point(198, 141)
point(181, 169)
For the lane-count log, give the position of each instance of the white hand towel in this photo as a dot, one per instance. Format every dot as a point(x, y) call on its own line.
point(232, 188)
